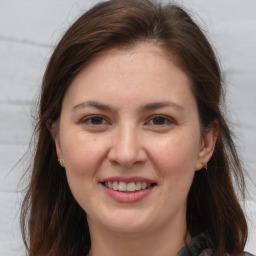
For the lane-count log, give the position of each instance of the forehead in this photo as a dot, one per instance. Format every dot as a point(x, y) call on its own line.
point(146, 53)
point(143, 71)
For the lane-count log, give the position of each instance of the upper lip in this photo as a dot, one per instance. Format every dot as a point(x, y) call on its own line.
point(128, 179)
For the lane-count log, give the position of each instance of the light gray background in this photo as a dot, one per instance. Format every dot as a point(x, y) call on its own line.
point(28, 31)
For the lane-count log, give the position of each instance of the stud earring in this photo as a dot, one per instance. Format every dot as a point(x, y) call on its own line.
point(61, 162)
point(205, 166)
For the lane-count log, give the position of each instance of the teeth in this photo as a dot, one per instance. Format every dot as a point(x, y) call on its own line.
point(138, 186)
point(115, 185)
point(144, 185)
point(130, 187)
point(127, 187)
point(109, 184)
point(122, 186)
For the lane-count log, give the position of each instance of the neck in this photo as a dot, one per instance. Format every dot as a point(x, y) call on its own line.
point(166, 242)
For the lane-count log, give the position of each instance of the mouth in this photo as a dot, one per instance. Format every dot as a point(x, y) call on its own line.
point(129, 187)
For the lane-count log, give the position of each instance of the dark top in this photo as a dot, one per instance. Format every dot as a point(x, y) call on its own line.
point(201, 245)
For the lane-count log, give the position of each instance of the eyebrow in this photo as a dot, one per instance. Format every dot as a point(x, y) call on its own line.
point(147, 107)
point(157, 105)
point(94, 104)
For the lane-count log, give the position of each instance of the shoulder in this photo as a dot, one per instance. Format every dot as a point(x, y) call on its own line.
point(246, 254)
point(201, 245)
point(209, 252)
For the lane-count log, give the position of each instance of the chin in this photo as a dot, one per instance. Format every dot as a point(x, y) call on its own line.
point(128, 228)
point(127, 221)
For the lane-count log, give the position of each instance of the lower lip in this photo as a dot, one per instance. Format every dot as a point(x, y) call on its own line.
point(127, 197)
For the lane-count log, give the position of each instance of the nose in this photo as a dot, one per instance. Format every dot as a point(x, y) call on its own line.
point(127, 147)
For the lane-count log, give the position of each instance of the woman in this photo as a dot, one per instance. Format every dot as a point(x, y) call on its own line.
point(134, 156)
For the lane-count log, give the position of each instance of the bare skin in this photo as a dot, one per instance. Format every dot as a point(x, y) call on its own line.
point(130, 114)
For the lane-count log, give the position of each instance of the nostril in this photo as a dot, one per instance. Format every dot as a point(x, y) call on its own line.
point(126, 158)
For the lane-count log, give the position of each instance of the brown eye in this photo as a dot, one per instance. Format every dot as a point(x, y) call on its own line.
point(94, 120)
point(160, 121)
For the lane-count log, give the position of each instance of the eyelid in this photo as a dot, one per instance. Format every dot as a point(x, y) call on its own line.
point(168, 121)
point(167, 118)
point(84, 120)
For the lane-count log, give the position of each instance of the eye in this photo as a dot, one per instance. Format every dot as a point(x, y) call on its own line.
point(159, 120)
point(94, 121)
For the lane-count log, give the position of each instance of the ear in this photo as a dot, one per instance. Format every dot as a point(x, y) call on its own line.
point(53, 128)
point(207, 145)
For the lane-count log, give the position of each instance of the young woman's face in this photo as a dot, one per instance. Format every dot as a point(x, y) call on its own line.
point(129, 135)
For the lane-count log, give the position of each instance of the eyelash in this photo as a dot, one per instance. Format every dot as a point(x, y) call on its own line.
point(164, 121)
point(88, 120)
point(167, 120)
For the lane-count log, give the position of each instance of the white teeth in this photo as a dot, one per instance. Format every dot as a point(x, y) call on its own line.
point(127, 187)
point(130, 187)
point(122, 186)
point(109, 184)
point(144, 185)
point(138, 186)
point(115, 185)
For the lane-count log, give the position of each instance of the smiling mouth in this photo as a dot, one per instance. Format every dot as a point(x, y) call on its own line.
point(128, 187)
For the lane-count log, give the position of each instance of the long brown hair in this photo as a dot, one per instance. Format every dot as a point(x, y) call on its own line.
point(52, 221)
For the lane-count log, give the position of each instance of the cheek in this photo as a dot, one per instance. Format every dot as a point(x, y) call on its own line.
point(83, 159)
point(82, 155)
point(176, 152)
point(175, 158)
